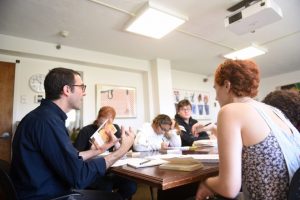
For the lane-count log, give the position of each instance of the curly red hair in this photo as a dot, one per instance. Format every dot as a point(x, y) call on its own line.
point(243, 76)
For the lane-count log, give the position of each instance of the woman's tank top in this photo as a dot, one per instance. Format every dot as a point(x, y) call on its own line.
point(267, 167)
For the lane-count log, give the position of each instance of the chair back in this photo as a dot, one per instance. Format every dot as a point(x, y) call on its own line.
point(7, 189)
point(294, 189)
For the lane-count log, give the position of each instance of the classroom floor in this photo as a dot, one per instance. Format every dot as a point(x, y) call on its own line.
point(143, 193)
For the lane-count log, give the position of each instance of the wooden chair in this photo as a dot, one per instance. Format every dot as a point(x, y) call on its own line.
point(294, 189)
point(8, 191)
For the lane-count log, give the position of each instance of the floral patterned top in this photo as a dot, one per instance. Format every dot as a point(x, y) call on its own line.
point(264, 171)
point(268, 167)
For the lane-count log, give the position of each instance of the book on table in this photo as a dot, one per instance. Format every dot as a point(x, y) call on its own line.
point(100, 137)
point(205, 143)
point(182, 164)
point(207, 158)
point(176, 150)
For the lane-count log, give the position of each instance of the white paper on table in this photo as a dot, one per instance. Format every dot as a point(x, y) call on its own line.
point(136, 162)
point(142, 162)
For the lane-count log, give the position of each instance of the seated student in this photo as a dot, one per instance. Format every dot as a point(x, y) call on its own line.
point(162, 133)
point(82, 141)
point(288, 102)
point(185, 122)
point(258, 147)
point(44, 162)
point(126, 188)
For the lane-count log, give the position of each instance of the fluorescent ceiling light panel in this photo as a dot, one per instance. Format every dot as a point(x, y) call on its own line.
point(246, 53)
point(154, 23)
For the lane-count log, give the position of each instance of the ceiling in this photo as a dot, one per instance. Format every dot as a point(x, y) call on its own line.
point(195, 46)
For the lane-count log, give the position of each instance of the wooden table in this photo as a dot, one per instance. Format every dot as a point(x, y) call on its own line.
point(170, 183)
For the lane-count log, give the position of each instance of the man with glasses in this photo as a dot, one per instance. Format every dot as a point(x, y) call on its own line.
point(83, 87)
point(186, 122)
point(44, 163)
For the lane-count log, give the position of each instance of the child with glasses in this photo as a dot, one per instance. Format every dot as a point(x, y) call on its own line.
point(161, 133)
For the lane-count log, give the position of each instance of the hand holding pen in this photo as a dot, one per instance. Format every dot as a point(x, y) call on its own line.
point(164, 144)
point(198, 127)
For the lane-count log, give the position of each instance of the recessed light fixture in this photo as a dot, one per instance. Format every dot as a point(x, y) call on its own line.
point(246, 53)
point(153, 22)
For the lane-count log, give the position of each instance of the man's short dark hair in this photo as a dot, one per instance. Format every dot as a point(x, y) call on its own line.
point(56, 79)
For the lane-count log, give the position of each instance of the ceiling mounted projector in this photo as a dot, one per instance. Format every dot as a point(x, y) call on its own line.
point(251, 17)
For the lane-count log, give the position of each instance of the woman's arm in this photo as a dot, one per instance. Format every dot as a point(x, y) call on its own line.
point(147, 140)
point(228, 182)
point(198, 127)
point(173, 138)
point(140, 141)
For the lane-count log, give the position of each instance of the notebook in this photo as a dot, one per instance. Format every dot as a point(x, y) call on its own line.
point(142, 162)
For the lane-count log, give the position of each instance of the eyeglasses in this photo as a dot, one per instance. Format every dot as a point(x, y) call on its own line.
point(185, 109)
point(83, 87)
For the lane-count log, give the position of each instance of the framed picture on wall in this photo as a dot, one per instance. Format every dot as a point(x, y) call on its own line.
point(121, 98)
point(200, 100)
point(293, 86)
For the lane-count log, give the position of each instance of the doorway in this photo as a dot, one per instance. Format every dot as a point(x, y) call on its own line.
point(7, 80)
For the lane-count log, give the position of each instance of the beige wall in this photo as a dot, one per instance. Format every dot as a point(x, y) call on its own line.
point(97, 67)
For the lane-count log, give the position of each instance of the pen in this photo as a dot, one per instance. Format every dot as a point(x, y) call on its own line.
point(126, 133)
point(207, 124)
point(144, 162)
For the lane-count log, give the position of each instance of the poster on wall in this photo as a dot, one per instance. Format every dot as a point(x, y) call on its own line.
point(122, 99)
point(200, 100)
point(293, 87)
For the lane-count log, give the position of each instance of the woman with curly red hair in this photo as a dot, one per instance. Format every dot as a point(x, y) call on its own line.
point(254, 139)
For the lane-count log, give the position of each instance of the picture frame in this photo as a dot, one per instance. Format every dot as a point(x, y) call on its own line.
point(200, 100)
point(292, 86)
point(121, 98)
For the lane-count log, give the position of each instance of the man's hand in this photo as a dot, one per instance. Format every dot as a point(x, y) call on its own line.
point(111, 141)
point(127, 138)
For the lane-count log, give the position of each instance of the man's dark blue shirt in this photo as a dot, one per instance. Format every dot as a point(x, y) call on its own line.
point(44, 163)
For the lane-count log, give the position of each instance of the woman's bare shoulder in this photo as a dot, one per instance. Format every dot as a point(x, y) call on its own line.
point(234, 107)
point(236, 111)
